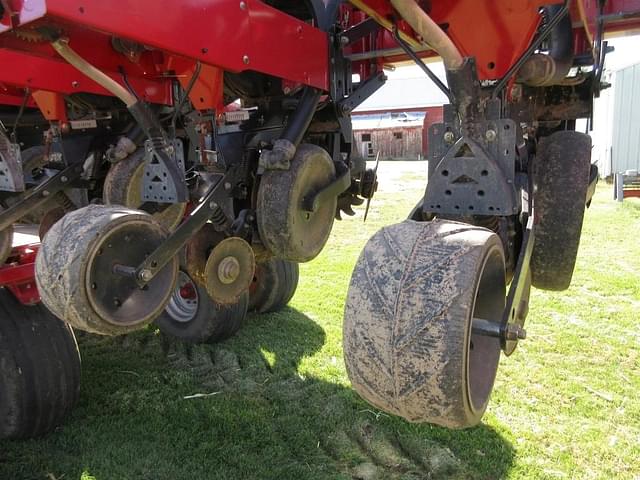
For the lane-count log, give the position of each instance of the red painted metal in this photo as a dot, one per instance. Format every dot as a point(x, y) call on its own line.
point(18, 274)
point(41, 73)
point(230, 34)
point(51, 105)
point(496, 33)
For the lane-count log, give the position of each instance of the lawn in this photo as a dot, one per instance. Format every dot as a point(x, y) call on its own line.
point(565, 405)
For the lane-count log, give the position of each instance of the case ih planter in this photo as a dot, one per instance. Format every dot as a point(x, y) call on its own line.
point(180, 158)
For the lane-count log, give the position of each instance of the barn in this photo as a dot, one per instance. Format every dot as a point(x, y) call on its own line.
point(395, 120)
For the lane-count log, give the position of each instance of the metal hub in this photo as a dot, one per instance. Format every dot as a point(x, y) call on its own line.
point(184, 302)
point(229, 270)
point(117, 298)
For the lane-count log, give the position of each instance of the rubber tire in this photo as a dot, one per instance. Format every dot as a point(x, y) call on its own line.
point(6, 243)
point(212, 323)
point(274, 284)
point(61, 266)
point(118, 185)
point(279, 206)
point(561, 178)
point(39, 369)
point(407, 322)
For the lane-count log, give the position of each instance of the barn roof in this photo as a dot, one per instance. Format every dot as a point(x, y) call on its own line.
point(388, 120)
point(397, 94)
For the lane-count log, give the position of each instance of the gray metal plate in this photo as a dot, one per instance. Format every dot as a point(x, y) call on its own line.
point(473, 176)
point(11, 175)
point(157, 184)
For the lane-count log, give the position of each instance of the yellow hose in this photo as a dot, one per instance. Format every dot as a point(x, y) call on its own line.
point(62, 47)
point(430, 32)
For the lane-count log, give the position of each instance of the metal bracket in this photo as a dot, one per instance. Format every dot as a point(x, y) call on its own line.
point(207, 209)
point(311, 203)
point(472, 178)
point(517, 308)
point(158, 184)
point(27, 202)
point(11, 174)
point(364, 91)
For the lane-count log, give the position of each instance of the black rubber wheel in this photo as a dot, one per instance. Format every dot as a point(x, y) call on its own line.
point(285, 228)
point(561, 180)
point(123, 186)
point(75, 276)
point(191, 315)
point(274, 284)
point(408, 341)
point(39, 369)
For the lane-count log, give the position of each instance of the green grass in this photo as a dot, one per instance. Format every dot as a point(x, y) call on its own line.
point(565, 405)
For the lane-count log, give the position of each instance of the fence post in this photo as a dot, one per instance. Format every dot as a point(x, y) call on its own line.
point(619, 184)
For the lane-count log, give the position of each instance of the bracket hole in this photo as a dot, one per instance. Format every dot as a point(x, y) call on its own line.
point(470, 207)
point(491, 65)
point(447, 192)
point(484, 173)
point(481, 193)
point(445, 173)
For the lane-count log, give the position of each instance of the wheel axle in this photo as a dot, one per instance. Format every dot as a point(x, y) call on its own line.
point(489, 328)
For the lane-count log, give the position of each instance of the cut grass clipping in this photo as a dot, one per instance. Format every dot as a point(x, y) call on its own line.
point(275, 403)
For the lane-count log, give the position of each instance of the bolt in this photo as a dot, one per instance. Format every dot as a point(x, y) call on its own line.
point(46, 193)
point(344, 40)
point(146, 275)
point(245, 59)
point(213, 205)
point(515, 332)
point(243, 5)
point(75, 84)
point(228, 270)
point(117, 302)
point(449, 137)
point(227, 186)
point(491, 135)
point(63, 179)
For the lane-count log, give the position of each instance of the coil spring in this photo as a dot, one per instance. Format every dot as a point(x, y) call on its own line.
point(219, 218)
point(64, 201)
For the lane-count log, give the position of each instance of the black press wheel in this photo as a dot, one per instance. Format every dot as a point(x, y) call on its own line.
point(39, 369)
point(191, 315)
point(561, 177)
point(408, 341)
point(274, 284)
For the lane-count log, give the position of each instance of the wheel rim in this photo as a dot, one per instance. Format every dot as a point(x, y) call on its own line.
point(484, 351)
point(183, 305)
point(118, 299)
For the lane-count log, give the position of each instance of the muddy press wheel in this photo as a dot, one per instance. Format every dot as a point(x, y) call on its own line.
point(408, 341)
point(274, 284)
point(123, 186)
point(75, 270)
point(561, 178)
point(286, 229)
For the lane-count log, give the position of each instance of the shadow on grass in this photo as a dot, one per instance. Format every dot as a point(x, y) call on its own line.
point(260, 418)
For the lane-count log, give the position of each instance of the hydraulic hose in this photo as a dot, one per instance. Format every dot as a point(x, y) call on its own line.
point(430, 32)
point(61, 46)
point(552, 68)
